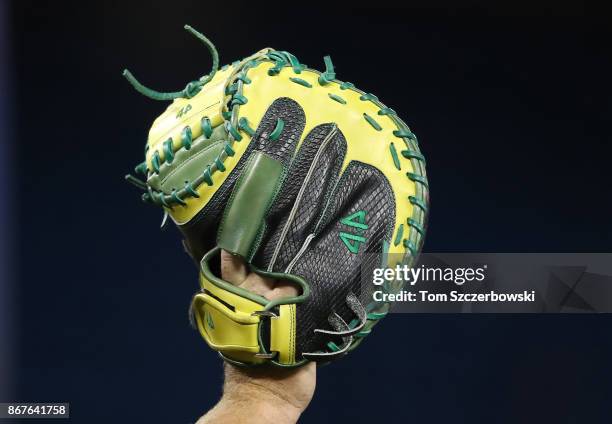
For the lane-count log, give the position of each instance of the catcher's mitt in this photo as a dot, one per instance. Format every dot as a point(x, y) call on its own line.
point(307, 178)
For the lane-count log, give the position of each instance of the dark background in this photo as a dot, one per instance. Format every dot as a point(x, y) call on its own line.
point(512, 107)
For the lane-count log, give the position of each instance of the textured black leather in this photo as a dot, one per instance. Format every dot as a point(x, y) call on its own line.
point(320, 197)
point(328, 266)
point(324, 175)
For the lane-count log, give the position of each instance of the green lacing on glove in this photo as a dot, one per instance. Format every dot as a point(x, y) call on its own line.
point(329, 75)
point(141, 168)
point(207, 176)
point(155, 161)
point(239, 99)
point(232, 89)
point(186, 138)
point(386, 111)
point(243, 124)
point(206, 127)
point(399, 235)
point(283, 59)
point(413, 154)
point(275, 70)
point(233, 131)
point(376, 315)
point(300, 81)
point(168, 151)
point(414, 224)
point(228, 150)
point(189, 189)
point(411, 247)
point(219, 164)
point(368, 98)
point(278, 129)
point(177, 199)
point(294, 62)
point(418, 202)
point(244, 78)
point(192, 88)
point(396, 160)
point(417, 178)
point(405, 133)
point(372, 122)
point(336, 98)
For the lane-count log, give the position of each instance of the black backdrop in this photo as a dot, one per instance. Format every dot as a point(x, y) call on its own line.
point(512, 108)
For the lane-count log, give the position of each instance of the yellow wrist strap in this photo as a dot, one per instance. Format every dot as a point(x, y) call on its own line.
point(231, 323)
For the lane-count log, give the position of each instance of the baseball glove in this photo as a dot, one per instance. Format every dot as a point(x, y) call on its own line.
point(306, 178)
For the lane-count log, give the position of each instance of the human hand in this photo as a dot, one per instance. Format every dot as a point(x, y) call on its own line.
point(263, 394)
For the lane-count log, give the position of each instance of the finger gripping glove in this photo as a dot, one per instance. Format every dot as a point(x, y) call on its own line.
point(307, 178)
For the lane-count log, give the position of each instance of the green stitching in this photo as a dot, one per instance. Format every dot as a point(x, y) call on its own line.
point(329, 75)
point(386, 111)
point(177, 199)
point(244, 78)
point(346, 85)
point(233, 131)
point(333, 346)
point(363, 333)
point(168, 152)
point(283, 59)
point(376, 315)
point(418, 202)
point(275, 70)
point(396, 161)
point(228, 150)
point(220, 165)
point(413, 154)
point(300, 81)
point(417, 178)
point(192, 88)
point(336, 98)
point(368, 97)
point(410, 246)
point(243, 124)
point(275, 134)
point(155, 161)
point(400, 234)
point(405, 133)
point(141, 168)
point(207, 176)
point(189, 189)
point(186, 137)
point(163, 200)
point(372, 122)
point(416, 226)
point(206, 127)
point(295, 64)
point(239, 99)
